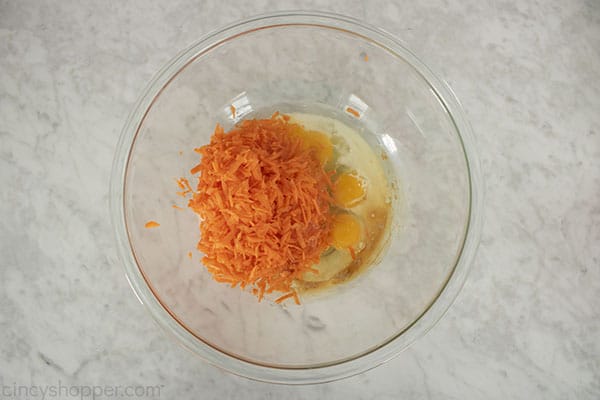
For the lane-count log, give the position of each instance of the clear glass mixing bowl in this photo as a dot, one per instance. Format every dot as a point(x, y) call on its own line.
point(301, 59)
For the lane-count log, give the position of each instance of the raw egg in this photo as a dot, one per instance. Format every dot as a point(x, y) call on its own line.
point(316, 140)
point(348, 190)
point(345, 231)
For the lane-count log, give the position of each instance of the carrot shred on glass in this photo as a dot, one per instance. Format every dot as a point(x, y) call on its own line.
point(352, 253)
point(285, 297)
point(352, 111)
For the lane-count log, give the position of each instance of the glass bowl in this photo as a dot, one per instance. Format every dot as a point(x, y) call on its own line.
point(290, 61)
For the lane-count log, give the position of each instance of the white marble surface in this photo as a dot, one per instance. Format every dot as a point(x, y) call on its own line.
point(527, 324)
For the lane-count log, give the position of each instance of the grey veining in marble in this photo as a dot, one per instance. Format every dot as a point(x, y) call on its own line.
point(526, 325)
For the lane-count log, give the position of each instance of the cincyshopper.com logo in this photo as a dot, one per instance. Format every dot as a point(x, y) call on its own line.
point(82, 392)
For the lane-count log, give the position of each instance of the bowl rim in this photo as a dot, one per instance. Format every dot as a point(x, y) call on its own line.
point(345, 368)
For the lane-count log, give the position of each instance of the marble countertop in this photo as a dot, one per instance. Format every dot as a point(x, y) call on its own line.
point(526, 325)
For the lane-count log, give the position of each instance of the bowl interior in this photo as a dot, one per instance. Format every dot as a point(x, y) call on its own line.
point(290, 67)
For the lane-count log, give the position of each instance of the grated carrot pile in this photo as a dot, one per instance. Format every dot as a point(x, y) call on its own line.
point(264, 203)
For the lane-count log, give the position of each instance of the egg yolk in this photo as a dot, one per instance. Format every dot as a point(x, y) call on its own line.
point(348, 190)
point(317, 141)
point(345, 231)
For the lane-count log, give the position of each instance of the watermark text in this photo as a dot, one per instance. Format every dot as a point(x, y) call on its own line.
point(65, 391)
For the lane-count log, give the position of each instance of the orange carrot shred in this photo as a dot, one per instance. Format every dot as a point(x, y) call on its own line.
point(190, 255)
point(232, 109)
point(185, 185)
point(285, 297)
point(264, 203)
point(352, 111)
point(352, 253)
point(366, 57)
point(175, 206)
point(195, 170)
point(152, 224)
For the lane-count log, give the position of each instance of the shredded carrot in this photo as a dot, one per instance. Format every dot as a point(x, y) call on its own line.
point(232, 109)
point(185, 185)
point(195, 170)
point(352, 111)
point(287, 296)
point(352, 252)
point(152, 224)
point(175, 206)
point(264, 203)
point(366, 57)
point(190, 255)
point(284, 297)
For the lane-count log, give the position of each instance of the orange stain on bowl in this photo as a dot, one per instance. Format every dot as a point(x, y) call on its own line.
point(352, 111)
